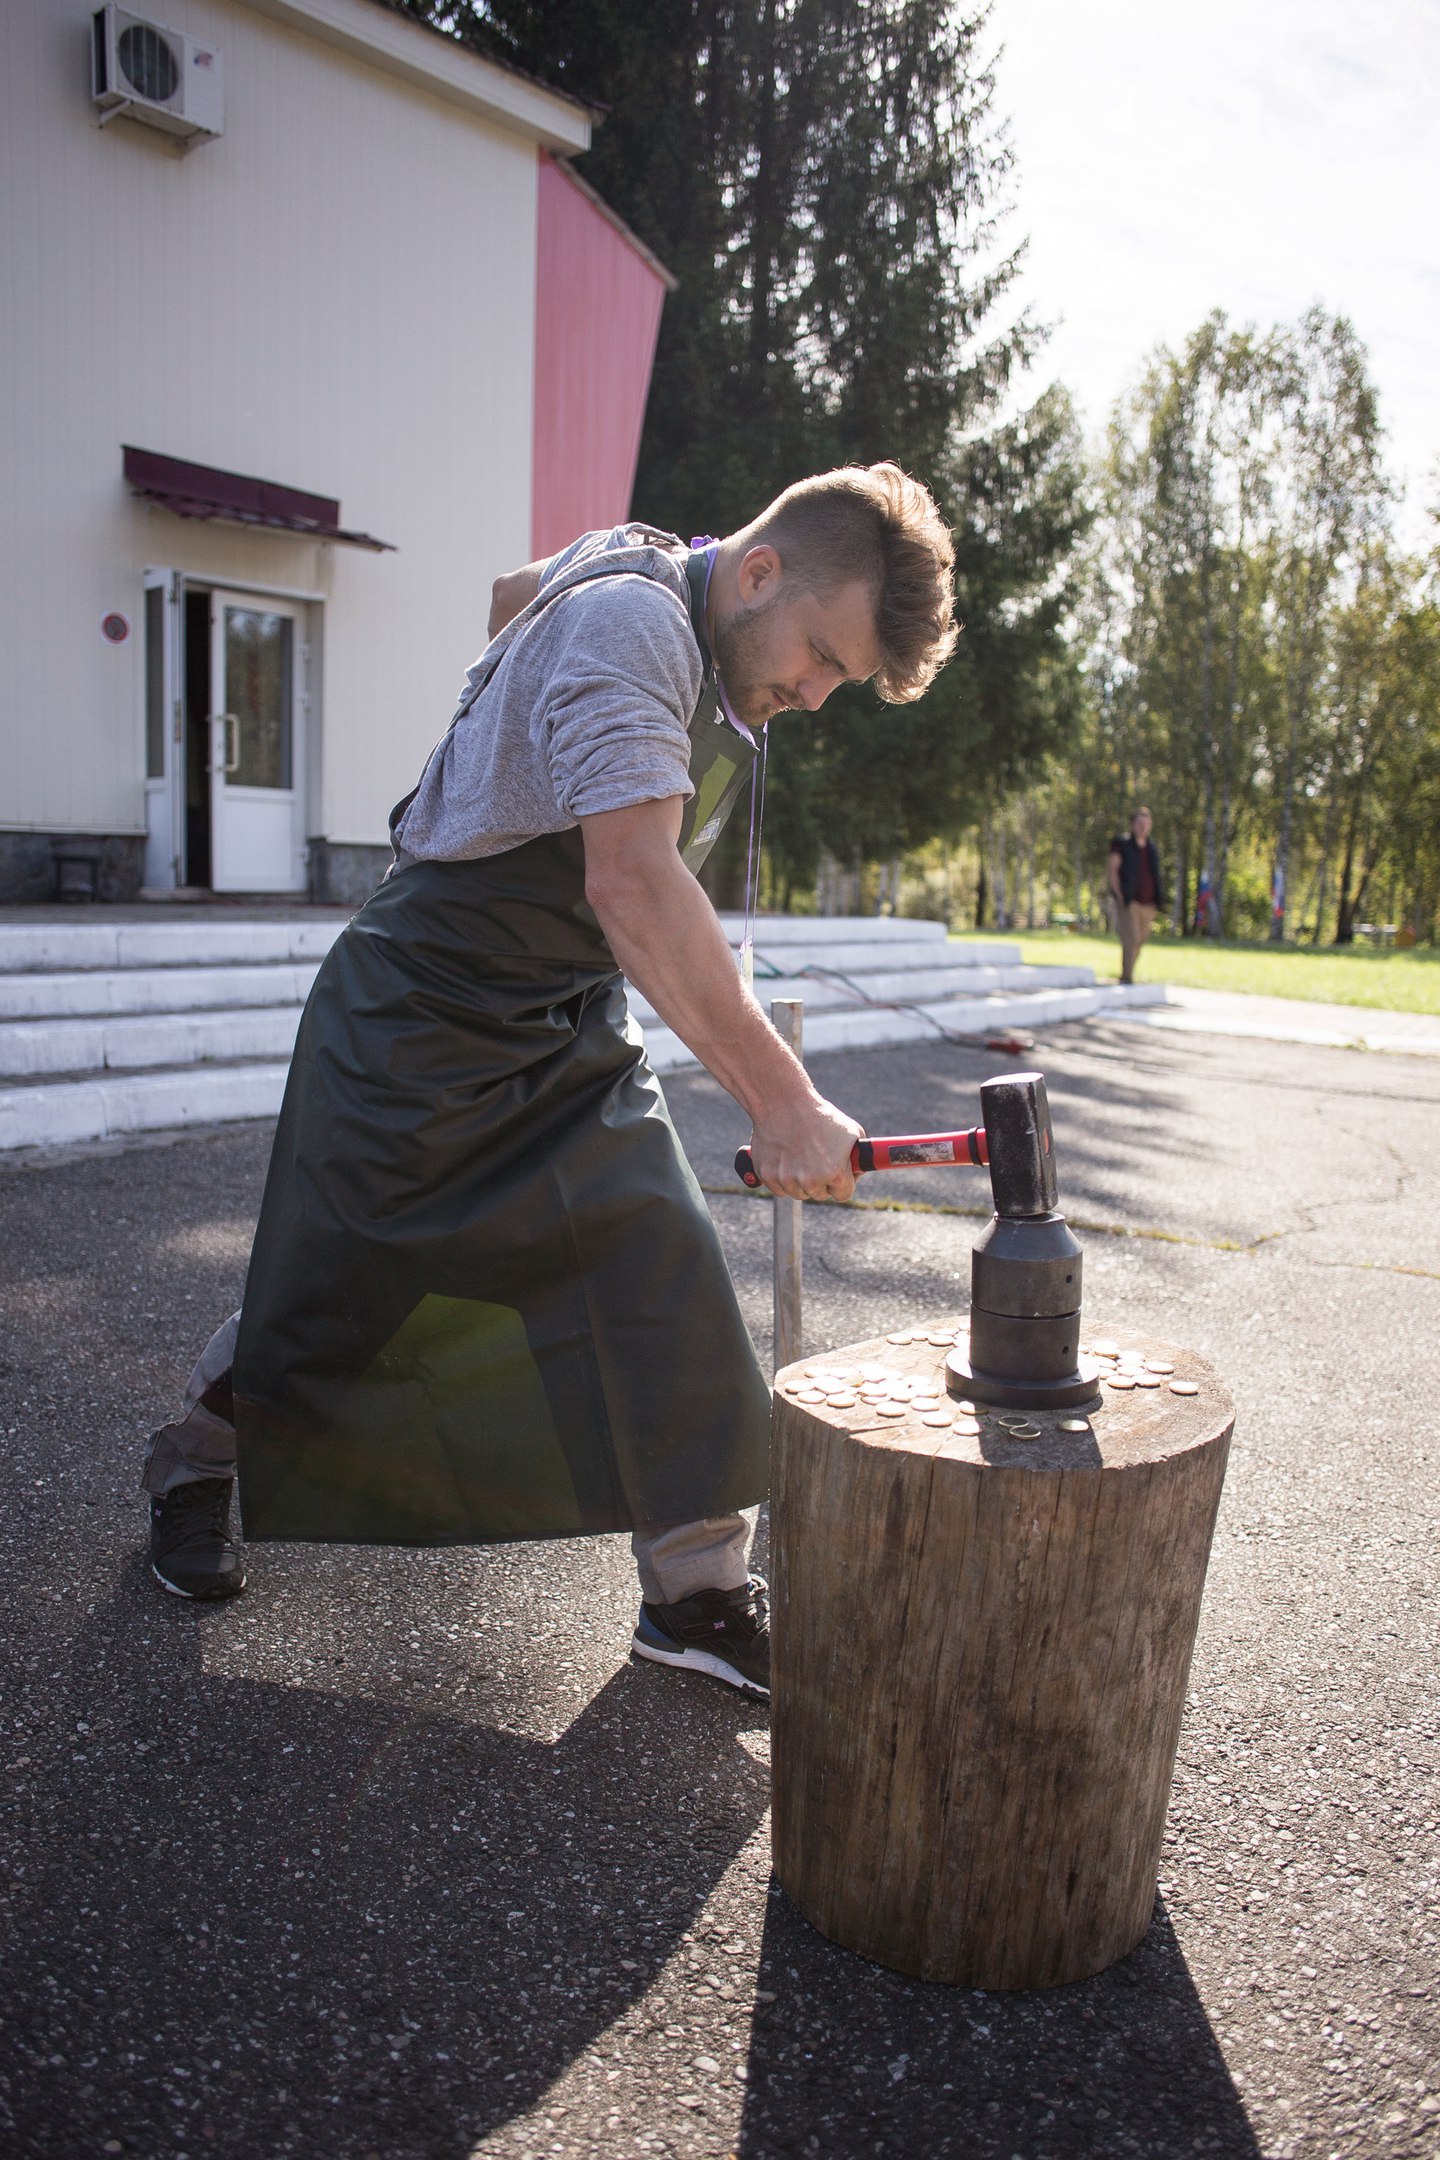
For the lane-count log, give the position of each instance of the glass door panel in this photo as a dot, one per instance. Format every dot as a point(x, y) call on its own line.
point(259, 676)
point(256, 816)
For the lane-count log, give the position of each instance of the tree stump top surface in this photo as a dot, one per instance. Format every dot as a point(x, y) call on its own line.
point(1129, 1427)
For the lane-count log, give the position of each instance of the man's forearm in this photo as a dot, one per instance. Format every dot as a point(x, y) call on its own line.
point(666, 936)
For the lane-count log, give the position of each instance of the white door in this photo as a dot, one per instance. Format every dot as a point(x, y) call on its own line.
point(257, 824)
point(164, 731)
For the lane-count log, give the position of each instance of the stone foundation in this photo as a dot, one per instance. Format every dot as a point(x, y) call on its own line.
point(344, 873)
point(45, 867)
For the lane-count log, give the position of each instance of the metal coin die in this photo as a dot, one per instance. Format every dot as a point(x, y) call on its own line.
point(1025, 1268)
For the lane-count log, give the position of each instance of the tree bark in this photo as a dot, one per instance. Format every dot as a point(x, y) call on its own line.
point(763, 227)
point(1029, 815)
point(1296, 699)
point(1207, 723)
point(1180, 896)
point(1322, 882)
point(1232, 686)
point(1000, 876)
point(1349, 901)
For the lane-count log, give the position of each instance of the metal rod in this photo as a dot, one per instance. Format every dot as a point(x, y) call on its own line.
point(786, 1015)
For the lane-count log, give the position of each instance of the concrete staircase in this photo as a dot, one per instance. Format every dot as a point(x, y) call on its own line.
point(866, 981)
point(113, 1026)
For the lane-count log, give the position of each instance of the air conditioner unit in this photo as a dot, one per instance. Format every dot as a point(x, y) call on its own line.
point(156, 75)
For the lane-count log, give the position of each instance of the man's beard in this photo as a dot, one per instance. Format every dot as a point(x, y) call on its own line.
point(740, 663)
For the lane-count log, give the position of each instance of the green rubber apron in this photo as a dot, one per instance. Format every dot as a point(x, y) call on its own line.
point(486, 1299)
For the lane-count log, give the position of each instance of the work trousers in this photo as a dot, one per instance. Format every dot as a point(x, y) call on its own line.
point(1137, 919)
point(674, 1560)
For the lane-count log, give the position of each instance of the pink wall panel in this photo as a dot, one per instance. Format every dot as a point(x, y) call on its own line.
point(597, 315)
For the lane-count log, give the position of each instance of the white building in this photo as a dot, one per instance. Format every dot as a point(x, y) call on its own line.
point(275, 413)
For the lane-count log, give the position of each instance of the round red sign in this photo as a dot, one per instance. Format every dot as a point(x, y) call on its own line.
point(115, 628)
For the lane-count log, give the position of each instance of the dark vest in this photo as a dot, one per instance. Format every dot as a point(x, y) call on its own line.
point(1128, 848)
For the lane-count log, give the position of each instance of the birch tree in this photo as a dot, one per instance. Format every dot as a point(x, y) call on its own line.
point(1331, 493)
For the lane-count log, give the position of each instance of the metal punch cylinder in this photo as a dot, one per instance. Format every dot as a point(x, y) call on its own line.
point(1026, 1269)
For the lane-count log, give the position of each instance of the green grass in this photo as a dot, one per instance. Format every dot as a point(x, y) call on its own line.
point(1392, 981)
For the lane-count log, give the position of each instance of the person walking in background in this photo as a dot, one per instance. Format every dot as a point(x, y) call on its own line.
point(1134, 878)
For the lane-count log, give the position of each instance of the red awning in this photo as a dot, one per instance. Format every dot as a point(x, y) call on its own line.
point(201, 491)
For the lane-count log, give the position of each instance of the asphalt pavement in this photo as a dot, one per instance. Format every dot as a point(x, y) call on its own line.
point(399, 1858)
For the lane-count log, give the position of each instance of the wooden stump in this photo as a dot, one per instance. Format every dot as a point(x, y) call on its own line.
point(981, 1647)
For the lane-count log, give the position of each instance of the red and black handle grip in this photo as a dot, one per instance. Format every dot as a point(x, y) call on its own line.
point(910, 1151)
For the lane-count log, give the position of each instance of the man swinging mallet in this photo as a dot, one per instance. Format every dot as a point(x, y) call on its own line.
point(486, 1300)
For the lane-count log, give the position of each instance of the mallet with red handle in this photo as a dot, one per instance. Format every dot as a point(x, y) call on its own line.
point(909, 1151)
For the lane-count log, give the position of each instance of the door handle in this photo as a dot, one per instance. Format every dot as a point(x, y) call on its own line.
point(230, 753)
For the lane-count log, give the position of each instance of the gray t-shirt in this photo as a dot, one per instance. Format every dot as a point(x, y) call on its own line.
point(588, 708)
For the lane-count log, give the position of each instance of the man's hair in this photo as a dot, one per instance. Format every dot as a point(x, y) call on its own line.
point(875, 525)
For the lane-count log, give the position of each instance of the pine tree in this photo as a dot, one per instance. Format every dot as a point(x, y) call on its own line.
point(825, 178)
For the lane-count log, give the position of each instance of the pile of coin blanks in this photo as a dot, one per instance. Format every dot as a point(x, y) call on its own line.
point(891, 1394)
point(884, 1390)
point(1124, 1370)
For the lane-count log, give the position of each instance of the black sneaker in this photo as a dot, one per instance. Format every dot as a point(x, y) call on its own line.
point(191, 1550)
point(725, 1633)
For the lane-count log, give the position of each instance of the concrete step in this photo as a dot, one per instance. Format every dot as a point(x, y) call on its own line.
point(827, 929)
point(109, 1044)
point(105, 1109)
point(828, 992)
point(87, 991)
point(833, 971)
point(858, 955)
point(114, 1028)
point(52, 948)
point(55, 947)
point(823, 987)
point(53, 1114)
point(865, 1028)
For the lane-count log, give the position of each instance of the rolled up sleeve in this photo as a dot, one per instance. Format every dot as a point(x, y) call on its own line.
point(612, 724)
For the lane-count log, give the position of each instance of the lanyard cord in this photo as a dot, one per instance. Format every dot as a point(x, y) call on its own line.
point(752, 861)
point(707, 543)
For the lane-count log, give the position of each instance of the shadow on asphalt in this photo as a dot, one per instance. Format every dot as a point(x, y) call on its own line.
point(878, 2064)
point(268, 1919)
point(340, 1910)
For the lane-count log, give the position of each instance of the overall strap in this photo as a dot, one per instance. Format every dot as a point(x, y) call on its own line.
point(697, 578)
point(722, 755)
